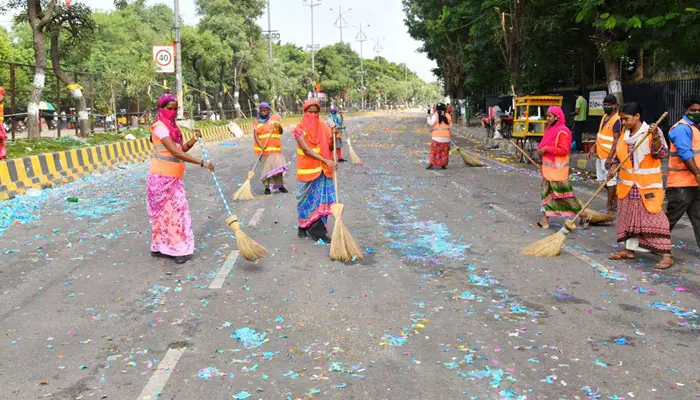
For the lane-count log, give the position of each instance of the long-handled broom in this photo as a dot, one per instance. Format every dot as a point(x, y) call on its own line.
point(594, 217)
point(244, 193)
point(353, 156)
point(249, 248)
point(551, 245)
point(343, 246)
point(469, 160)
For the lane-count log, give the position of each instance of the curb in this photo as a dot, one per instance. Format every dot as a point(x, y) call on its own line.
point(49, 170)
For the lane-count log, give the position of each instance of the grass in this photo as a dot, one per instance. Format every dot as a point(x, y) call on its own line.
point(24, 147)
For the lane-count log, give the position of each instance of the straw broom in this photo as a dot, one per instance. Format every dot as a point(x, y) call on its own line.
point(551, 245)
point(244, 193)
point(343, 246)
point(469, 160)
point(248, 248)
point(594, 217)
point(353, 156)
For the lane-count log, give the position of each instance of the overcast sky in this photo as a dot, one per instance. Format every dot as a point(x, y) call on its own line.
point(293, 21)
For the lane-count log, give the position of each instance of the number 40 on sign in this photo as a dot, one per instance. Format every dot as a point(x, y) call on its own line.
point(164, 58)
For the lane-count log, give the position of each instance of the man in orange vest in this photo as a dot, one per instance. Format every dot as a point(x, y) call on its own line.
point(267, 134)
point(606, 140)
point(683, 184)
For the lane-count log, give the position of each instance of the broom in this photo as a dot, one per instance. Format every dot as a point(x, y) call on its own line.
point(248, 248)
point(551, 245)
point(244, 193)
point(353, 156)
point(594, 217)
point(343, 246)
point(469, 160)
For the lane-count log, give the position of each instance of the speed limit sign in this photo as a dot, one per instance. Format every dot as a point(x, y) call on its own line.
point(164, 58)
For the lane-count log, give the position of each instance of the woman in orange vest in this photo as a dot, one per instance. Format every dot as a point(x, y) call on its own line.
point(315, 166)
point(558, 199)
point(441, 122)
point(267, 133)
point(641, 223)
point(168, 210)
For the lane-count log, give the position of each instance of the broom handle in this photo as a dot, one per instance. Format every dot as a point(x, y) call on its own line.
point(525, 154)
point(619, 166)
point(335, 171)
point(216, 181)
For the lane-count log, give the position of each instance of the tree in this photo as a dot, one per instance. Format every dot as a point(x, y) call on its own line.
point(77, 23)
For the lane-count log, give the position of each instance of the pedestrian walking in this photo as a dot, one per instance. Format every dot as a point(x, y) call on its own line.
point(64, 119)
point(642, 226)
point(683, 183)
point(441, 122)
point(497, 121)
point(267, 133)
point(606, 140)
point(558, 199)
point(168, 209)
point(315, 166)
point(335, 122)
point(3, 135)
point(580, 116)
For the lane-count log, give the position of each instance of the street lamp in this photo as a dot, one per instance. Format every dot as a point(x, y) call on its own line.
point(361, 37)
point(311, 4)
point(340, 23)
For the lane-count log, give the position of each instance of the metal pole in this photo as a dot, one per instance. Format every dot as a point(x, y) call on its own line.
point(362, 38)
point(178, 62)
point(313, 50)
point(269, 30)
point(340, 13)
point(57, 114)
point(12, 99)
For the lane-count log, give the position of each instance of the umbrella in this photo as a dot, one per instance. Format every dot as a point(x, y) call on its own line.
point(46, 106)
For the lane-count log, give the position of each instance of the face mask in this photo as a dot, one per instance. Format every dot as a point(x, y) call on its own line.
point(694, 116)
point(169, 114)
point(608, 110)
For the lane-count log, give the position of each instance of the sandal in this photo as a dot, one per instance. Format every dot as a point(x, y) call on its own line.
point(539, 225)
point(621, 255)
point(665, 263)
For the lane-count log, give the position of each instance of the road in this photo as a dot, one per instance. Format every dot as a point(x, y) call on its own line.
point(442, 307)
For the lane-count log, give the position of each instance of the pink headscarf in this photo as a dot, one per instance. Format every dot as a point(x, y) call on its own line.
point(168, 117)
point(550, 135)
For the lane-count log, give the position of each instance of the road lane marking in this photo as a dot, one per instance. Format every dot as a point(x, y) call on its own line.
point(506, 213)
point(218, 281)
point(437, 173)
point(256, 217)
point(165, 368)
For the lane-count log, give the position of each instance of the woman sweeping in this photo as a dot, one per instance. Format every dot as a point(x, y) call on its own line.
point(441, 122)
point(641, 223)
point(315, 165)
point(168, 209)
point(267, 133)
point(558, 198)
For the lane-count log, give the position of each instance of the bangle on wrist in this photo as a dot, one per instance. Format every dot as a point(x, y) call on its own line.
point(201, 163)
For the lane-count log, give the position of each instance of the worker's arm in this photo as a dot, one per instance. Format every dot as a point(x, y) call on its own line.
point(169, 144)
point(310, 153)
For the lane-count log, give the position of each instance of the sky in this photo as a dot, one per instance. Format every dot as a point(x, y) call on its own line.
point(293, 21)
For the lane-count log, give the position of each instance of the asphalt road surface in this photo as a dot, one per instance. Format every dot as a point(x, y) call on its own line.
point(442, 307)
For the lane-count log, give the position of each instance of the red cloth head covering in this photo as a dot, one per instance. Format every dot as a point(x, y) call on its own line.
point(550, 135)
point(168, 117)
point(317, 133)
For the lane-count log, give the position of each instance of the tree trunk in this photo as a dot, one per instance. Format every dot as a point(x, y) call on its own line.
point(612, 74)
point(237, 91)
point(38, 25)
point(75, 90)
point(639, 70)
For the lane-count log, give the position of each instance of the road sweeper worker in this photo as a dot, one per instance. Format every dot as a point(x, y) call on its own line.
point(267, 133)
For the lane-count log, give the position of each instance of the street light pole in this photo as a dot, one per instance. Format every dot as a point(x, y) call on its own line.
point(269, 30)
point(178, 63)
point(311, 4)
point(361, 37)
point(340, 23)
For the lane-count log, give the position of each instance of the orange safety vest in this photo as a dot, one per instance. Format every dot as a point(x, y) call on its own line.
point(309, 168)
point(163, 163)
point(557, 170)
point(441, 129)
point(678, 173)
point(606, 136)
point(270, 130)
point(647, 178)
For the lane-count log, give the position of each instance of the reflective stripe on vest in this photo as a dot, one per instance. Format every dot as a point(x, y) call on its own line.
point(557, 170)
point(441, 129)
point(648, 178)
point(606, 136)
point(678, 173)
point(269, 134)
point(163, 163)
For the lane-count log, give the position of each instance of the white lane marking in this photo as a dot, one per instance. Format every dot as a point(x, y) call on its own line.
point(506, 213)
point(437, 173)
point(165, 367)
point(218, 281)
point(256, 217)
